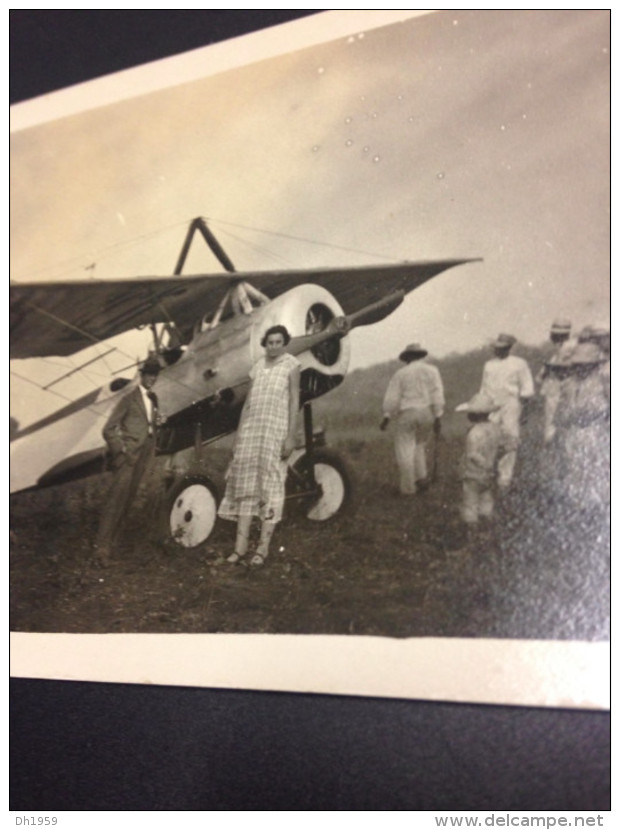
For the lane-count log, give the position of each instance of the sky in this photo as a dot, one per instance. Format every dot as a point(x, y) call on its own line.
point(456, 134)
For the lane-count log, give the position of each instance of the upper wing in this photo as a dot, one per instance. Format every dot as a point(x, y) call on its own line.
point(62, 318)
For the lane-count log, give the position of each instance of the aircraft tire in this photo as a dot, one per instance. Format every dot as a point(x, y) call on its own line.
point(335, 480)
point(191, 511)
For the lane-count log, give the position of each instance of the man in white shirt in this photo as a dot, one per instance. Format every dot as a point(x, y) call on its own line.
point(415, 400)
point(551, 375)
point(507, 380)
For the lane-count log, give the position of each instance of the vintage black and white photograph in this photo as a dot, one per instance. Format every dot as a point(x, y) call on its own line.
point(320, 344)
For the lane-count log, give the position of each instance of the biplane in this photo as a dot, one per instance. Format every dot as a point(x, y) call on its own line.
point(206, 332)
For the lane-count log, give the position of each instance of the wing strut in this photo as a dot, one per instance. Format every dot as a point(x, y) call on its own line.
point(199, 224)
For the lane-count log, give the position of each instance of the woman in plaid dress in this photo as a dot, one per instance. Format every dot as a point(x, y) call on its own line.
point(256, 478)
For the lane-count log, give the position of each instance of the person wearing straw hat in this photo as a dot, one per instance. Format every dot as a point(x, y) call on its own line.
point(130, 435)
point(414, 399)
point(583, 424)
point(600, 335)
point(507, 380)
point(553, 372)
point(478, 464)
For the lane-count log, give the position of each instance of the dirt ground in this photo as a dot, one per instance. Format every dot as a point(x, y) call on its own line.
point(391, 565)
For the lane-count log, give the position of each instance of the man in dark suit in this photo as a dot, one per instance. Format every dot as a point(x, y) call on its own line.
point(130, 436)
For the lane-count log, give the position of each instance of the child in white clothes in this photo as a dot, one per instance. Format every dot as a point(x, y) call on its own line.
point(478, 464)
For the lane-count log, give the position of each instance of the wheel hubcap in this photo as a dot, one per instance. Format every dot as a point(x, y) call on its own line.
point(192, 516)
point(331, 488)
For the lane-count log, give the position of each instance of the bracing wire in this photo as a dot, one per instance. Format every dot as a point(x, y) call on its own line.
point(150, 235)
point(96, 341)
point(55, 392)
point(259, 248)
point(304, 239)
point(77, 261)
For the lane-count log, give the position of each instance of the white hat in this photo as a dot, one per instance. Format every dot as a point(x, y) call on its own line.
point(504, 341)
point(411, 350)
point(586, 354)
point(595, 330)
point(561, 326)
point(480, 404)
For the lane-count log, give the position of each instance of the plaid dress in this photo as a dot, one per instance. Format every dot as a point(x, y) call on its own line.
point(257, 475)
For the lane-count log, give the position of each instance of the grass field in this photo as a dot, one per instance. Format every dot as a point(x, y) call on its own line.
point(389, 566)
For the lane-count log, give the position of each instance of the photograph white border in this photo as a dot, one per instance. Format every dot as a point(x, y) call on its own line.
point(521, 672)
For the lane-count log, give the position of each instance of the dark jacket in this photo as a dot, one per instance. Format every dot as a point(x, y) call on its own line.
point(127, 429)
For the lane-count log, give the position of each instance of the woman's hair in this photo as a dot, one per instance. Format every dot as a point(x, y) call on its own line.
point(276, 330)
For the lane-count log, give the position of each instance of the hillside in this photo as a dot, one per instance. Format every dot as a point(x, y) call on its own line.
point(356, 403)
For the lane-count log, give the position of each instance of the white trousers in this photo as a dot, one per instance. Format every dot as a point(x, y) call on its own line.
point(413, 428)
point(477, 501)
point(508, 419)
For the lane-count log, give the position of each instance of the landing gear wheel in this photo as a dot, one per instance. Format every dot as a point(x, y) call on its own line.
point(191, 511)
point(334, 486)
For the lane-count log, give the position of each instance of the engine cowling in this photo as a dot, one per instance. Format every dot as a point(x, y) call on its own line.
point(209, 383)
point(306, 309)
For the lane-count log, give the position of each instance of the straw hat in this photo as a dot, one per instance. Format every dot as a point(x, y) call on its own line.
point(586, 354)
point(561, 326)
point(599, 329)
point(504, 341)
point(480, 404)
point(413, 349)
point(595, 330)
